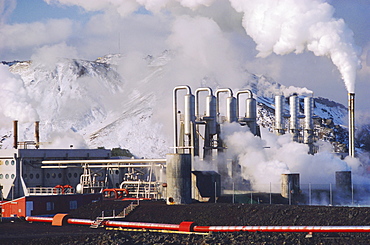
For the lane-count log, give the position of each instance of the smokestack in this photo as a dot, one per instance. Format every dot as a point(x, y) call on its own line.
point(293, 101)
point(279, 122)
point(37, 134)
point(15, 133)
point(351, 124)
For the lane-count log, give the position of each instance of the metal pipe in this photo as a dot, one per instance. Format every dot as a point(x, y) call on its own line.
point(293, 101)
point(37, 134)
point(210, 93)
point(282, 228)
point(175, 112)
point(308, 121)
point(279, 123)
point(190, 227)
point(231, 104)
point(294, 126)
point(15, 132)
point(39, 219)
point(211, 110)
point(247, 91)
point(142, 225)
point(351, 124)
point(106, 161)
point(105, 166)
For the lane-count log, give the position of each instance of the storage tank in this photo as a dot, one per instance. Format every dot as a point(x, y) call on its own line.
point(294, 126)
point(189, 113)
point(231, 109)
point(178, 174)
point(308, 122)
point(290, 184)
point(279, 122)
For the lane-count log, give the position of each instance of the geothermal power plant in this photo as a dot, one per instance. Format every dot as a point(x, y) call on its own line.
point(37, 181)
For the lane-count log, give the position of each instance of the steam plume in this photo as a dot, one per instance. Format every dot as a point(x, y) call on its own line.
point(282, 27)
point(279, 27)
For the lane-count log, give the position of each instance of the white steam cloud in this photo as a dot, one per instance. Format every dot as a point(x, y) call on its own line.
point(15, 102)
point(263, 160)
point(287, 26)
point(279, 27)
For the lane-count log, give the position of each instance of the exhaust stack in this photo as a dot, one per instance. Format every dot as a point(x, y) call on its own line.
point(15, 133)
point(37, 134)
point(351, 124)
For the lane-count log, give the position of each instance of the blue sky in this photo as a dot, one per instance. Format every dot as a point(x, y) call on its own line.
point(90, 29)
point(38, 10)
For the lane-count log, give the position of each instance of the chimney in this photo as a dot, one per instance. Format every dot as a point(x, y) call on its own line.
point(37, 134)
point(15, 133)
point(351, 124)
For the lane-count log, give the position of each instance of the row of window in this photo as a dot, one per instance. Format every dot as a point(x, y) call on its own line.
point(12, 162)
point(59, 175)
point(7, 176)
point(48, 175)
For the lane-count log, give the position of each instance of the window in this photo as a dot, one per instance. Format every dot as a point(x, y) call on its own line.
point(72, 204)
point(7, 162)
point(7, 176)
point(49, 206)
point(1, 176)
point(13, 176)
point(59, 175)
point(12, 162)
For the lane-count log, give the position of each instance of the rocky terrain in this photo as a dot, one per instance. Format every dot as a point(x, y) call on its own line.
point(202, 214)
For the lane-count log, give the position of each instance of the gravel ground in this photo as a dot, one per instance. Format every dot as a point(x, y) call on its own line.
point(201, 214)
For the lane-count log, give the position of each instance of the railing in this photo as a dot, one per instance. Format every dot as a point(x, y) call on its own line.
point(36, 191)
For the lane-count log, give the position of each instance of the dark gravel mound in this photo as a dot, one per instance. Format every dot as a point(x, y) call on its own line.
point(202, 214)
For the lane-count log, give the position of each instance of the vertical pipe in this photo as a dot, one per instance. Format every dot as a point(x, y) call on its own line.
point(293, 101)
point(37, 134)
point(231, 105)
point(308, 122)
point(279, 123)
point(15, 132)
point(351, 124)
point(175, 135)
point(237, 100)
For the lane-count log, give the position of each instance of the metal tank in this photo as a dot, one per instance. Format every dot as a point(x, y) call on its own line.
point(231, 109)
point(178, 174)
point(293, 104)
point(210, 113)
point(290, 185)
point(230, 105)
point(279, 123)
point(189, 113)
point(250, 110)
point(308, 121)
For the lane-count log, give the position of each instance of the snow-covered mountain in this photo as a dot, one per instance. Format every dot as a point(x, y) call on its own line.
point(90, 104)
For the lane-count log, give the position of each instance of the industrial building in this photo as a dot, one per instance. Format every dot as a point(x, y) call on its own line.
point(27, 172)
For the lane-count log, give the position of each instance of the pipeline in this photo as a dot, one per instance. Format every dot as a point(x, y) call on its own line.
point(187, 226)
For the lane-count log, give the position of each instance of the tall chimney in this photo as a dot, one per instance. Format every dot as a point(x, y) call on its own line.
point(37, 134)
point(15, 133)
point(351, 124)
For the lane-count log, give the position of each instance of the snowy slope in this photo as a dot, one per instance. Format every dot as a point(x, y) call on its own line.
point(89, 104)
